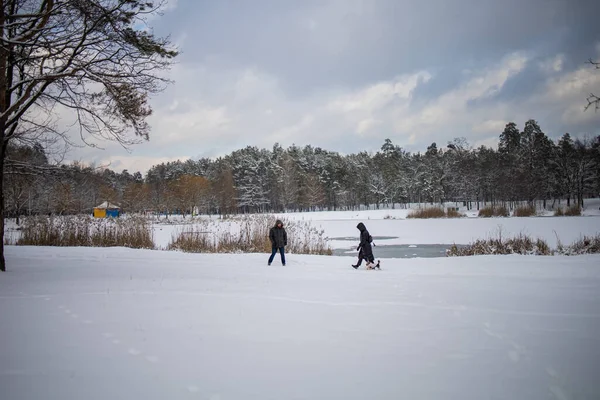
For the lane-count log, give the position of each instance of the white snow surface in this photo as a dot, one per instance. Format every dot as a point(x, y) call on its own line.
point(114, 323)
point(424, 231)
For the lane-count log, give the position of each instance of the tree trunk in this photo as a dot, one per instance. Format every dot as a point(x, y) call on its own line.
point(2, 154)
point(4, 98)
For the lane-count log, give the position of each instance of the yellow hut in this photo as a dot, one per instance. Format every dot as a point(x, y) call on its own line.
point(106, 209)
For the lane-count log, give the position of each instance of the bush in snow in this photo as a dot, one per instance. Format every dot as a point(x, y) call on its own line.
point(248, 234)
point(430, 212)
point(571, 211)
point(521, 244)
point(435, 212)
point(131, 232)
point(453, 213)
point(585, 245)
point(525, 211)
point(493, 211)
point(559, 212)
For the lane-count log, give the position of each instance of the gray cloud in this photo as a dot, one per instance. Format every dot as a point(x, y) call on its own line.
point(311, 44)
point(345, 75)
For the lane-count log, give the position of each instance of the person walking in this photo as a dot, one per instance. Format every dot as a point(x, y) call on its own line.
point(278, 238)
point(365, 249)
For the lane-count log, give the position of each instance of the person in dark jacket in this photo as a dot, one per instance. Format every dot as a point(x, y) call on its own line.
point(364, 247)
point(278, 238)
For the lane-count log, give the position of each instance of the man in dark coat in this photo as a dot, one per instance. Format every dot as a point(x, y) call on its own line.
point(364, 247)
point(278, 238)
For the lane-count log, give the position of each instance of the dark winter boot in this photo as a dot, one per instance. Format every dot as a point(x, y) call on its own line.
point(354, 266)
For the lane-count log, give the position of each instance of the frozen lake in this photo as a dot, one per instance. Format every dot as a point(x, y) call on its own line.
point(392, 250)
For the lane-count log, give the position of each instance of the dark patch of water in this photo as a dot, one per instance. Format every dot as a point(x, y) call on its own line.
point(356, 238)
point(402, 251)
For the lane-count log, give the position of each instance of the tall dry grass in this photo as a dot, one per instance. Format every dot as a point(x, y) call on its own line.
point(571, 211)
point(434, 212)
point(521, 244)
point(559, 212)
point(453, 213)
point(525, 211)
point(131, 232)
point(493, 211)
point(585, 245)
point(429, 212)
point(524, 244)
point(248, 234)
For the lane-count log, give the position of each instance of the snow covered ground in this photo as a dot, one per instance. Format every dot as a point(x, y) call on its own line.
point(398, 230)
point(98, 323)
point(427, 231)
point(392, 224)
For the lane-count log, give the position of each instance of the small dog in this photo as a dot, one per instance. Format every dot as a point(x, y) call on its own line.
point(372, 265)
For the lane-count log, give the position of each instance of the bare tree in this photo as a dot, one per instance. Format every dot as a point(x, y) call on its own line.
point(593, 100)
point(225, 191)
point(92, 58)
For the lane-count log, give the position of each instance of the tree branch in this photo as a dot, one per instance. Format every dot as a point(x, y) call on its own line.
point(592, 99)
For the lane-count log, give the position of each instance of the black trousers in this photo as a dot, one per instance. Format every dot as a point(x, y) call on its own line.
point(362, 256)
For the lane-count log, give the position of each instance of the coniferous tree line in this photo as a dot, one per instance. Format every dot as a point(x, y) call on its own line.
point(527, 166)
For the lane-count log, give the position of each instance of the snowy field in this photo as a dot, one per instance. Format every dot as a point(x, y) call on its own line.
point(115, 323)
point(94, 323)
point(396, 228)
point(424, 231)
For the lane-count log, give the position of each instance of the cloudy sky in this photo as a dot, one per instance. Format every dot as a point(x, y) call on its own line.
point(345, 75)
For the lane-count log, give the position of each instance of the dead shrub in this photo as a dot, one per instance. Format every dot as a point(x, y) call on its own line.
point(452, 212)
point(543, 248)
point(525, 211)
point(430, 212)
point(248, 234)
point(573, 211)
point(501, 211)
point(521, 244)
point(133, 232)
point(585, 245)
point(486, 212)
point(493, 211)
